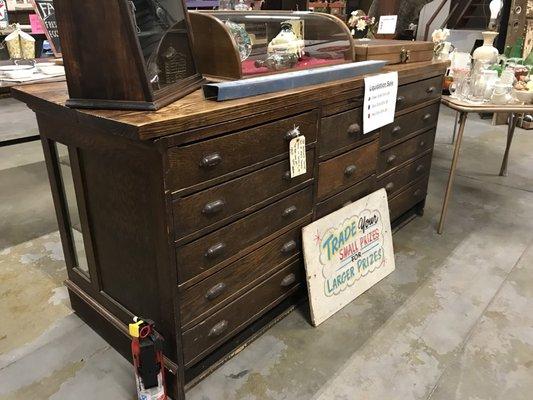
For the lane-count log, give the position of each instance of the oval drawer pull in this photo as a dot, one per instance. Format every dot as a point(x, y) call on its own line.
point(431, 89)
point(417, 192)
point(211, 160)
point(391, 159)
point(420, 168)
point(287, 176)
point(400, 99)
point(354, 129)
point(215, 291)
point(288, 280)
point(426, 117)
point(291, 134)
point(288, 247)
point(396, 129)
point(422, 143)
point(213, 207)
point(215, 250)
point(289, 211)
point(350, 170)
point(389, 186)
point(218, 329)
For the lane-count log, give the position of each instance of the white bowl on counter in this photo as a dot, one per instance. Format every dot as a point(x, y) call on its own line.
point(17, 71)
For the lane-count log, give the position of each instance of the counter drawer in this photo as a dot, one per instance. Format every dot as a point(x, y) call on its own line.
point(205, 208)
point(212, 251)
point(218, 289)
point(210, 159)
point(407, 124)
point(418, 92)
point(408, 198)
point(341, 130)
point(345, 170)
point(403, 152)
point(345, 197)
point(221, 326)
point(397, 181)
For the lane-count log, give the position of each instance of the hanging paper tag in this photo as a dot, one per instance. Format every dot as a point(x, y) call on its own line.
point(298, 162)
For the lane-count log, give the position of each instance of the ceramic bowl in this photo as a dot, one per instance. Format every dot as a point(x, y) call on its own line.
point(22, 73)
point(51, 69)
point(523, 96)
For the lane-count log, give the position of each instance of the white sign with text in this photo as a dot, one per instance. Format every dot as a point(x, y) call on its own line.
point(346, 253)
point(380, 101)
point(387, 24)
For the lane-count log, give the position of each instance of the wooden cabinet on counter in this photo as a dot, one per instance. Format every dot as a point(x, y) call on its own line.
point(189, 216)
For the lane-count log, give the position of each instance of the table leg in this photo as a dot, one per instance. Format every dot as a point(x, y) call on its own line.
point(457, 148)
point(455, 126)
point(513, 119)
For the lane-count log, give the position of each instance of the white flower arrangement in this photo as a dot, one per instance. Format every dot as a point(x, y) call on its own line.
point(361, 22)
point(440, 35)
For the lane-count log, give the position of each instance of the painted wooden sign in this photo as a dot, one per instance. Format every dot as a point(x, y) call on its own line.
point(46, 12)
point(346, 253)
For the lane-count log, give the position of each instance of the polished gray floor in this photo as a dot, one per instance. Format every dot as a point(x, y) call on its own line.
point(454, 321)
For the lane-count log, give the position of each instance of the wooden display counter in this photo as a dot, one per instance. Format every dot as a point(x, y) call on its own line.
point(188, 215)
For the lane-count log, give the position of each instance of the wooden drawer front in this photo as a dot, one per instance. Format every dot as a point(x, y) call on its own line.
point(407, 124)
point(210, 159)
point(418, 92)
point(408, 198)
point(205, 208)
point(341, 130)
point(346, 169)
point(220, 288)
point(403, 152)
point(213, 331)
point(212, 250)
point(345, 197)
point(396, 181)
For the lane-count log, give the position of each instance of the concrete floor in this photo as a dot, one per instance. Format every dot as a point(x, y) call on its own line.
point(453, 321)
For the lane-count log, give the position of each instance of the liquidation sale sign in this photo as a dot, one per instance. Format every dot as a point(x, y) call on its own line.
point(346, 253)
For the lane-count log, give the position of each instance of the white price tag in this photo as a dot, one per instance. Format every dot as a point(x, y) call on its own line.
point(298, 162)
point(380, 101)
point(387, 24)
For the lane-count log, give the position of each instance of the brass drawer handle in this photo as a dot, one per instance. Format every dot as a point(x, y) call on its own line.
point(213, 207)
point(215, 291)
point(426, 117)
point(350, 170)
point(430, 89)
point(389, 186)
point(211, 160)
point(288, 280)
point(289, 211)
point(391, 159)
point(218, 329)
point(420, 168)
point(400, 99)
point(354, 129)
point(396, 129)
point(417, 192)
point(288, 247)
point(215, 250)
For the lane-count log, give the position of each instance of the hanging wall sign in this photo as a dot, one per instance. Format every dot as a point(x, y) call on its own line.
point(346, 253)
point(380, 101)
point(46, 12)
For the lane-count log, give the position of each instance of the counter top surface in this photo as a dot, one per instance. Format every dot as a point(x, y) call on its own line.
point(193, 111)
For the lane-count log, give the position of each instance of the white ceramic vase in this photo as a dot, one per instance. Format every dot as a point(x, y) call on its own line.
point(487, 52)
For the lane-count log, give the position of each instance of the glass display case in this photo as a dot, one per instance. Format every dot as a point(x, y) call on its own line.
point(243, 44)
point(126, 54)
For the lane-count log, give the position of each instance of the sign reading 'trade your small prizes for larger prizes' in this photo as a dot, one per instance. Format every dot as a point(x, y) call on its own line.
point(346, 253)
point(380, 101)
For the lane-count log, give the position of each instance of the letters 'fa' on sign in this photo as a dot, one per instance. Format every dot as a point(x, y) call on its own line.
point(346, 253)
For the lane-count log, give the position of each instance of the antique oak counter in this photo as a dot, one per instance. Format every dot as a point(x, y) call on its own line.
point(188, 215)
